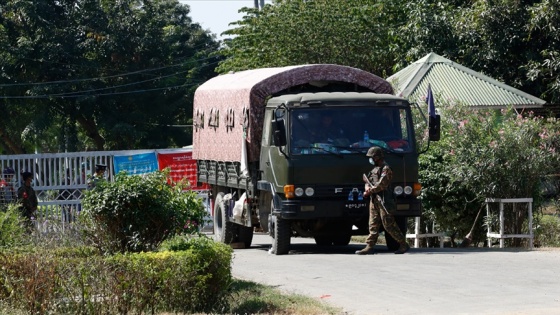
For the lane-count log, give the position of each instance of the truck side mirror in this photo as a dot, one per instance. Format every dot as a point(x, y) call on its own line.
point(279, 132)
point(434, 124)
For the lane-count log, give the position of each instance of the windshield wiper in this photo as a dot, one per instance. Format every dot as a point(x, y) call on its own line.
point(319, 148)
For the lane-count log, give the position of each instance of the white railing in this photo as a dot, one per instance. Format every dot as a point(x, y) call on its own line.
point(59, 179)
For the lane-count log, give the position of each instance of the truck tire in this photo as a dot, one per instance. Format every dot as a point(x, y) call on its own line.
point(246, 235)
point(393, 245)
point(281, 235)
point(224, 231)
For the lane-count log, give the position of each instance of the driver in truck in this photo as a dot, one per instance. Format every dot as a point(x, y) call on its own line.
point(327, 131)
point(378, 181)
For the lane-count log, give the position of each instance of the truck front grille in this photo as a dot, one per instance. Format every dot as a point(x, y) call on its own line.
point(336, 191)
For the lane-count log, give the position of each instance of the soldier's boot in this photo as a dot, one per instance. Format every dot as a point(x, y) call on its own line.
point(403, 249)
point(368, 250)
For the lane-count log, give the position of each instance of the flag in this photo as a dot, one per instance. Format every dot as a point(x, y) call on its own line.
point(430, 101)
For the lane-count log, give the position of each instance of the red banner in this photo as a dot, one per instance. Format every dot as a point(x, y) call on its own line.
point(181, 166)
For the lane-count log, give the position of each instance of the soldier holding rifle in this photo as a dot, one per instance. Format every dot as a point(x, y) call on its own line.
point(379, 180)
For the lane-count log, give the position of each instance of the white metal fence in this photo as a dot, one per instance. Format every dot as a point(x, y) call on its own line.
point(59, 180)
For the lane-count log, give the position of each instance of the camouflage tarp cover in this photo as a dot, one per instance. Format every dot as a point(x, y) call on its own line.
point(220, 104)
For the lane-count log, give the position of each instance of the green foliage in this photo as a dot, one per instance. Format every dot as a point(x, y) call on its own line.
point(356, 33)
point(13, 231)
point(99, 74)
point(512, 41)
point(185, 281)
point(136, 213)
point(485, 154)
point(547, 231)
point(186, 242)
point(79, 281)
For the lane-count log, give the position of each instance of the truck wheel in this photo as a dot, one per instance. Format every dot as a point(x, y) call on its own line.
point(393, 245)
point(246, 235)
point(224, 231)
point(281, 236)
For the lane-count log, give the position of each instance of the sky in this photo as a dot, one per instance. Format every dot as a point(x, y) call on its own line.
point(215, 15)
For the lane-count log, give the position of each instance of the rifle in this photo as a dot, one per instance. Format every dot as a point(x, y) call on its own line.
point(367, 181)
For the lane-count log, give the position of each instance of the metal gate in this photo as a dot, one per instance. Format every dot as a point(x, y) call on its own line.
point(59, 180)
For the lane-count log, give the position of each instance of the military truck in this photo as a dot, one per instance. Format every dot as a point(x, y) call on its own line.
point(284, 151)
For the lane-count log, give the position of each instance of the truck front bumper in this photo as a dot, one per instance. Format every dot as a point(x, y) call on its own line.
point(313, 209)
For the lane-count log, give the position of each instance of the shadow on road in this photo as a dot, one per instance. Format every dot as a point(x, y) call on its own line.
point(307, 246)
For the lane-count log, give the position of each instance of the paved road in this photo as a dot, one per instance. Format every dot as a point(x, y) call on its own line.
point(423, 281)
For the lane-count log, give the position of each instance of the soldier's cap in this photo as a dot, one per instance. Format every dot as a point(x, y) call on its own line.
point(375, 151)
point(100, 167)
point(26, 175)
point(8, 170)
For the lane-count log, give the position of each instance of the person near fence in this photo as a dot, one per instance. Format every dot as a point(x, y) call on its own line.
point(97, 176)
point(28, 198)
point(379, 179)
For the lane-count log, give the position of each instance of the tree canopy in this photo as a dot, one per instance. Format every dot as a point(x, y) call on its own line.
point(99, 74)
point(510, 40)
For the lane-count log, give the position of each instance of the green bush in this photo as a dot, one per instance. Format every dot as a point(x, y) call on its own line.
point(193, 280)
point(13, 231)
point(547, 231)
point(136, 213)
point(485, 154)
point(80, 281)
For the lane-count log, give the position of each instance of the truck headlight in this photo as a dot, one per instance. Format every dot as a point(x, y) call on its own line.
point(309, 191)
point(299, 192)
point(408, 190)
point(398, 190)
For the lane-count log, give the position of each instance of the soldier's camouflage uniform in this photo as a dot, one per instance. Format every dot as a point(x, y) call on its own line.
point(381, 177)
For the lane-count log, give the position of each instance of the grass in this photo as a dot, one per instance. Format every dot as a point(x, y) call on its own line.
point(248, 297)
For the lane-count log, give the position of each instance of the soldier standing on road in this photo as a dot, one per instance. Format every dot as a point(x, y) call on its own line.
point(380, 178)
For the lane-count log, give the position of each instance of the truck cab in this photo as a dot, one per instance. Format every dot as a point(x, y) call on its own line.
point(314, 171)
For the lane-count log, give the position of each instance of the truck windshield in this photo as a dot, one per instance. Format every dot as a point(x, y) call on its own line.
point(349, 130)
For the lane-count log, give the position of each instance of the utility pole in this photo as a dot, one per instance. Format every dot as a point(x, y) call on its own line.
point(257, 4)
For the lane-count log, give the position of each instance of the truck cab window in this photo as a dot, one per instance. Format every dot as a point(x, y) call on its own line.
point(348, 130)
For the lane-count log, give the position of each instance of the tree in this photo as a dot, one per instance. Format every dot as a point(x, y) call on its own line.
point(545, 36)
point(513, 41)
point(510, 40)
point(99, 74)
point(355, 33)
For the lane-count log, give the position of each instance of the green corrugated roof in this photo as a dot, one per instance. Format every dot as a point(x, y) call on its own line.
point(452, 81)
